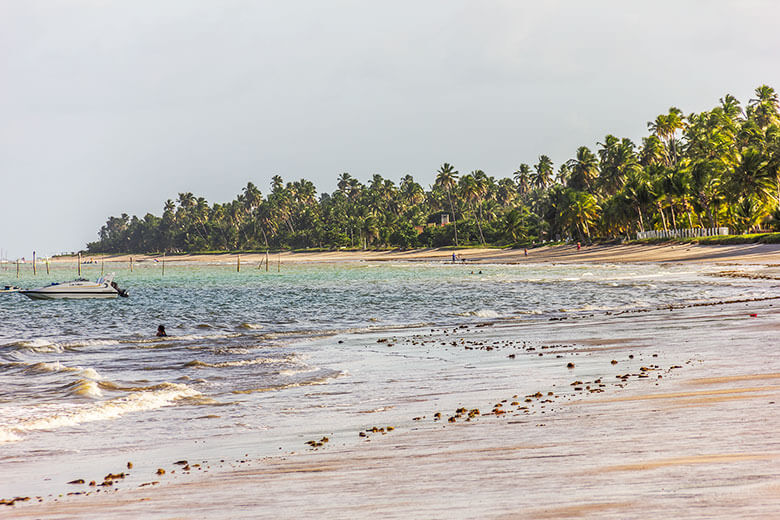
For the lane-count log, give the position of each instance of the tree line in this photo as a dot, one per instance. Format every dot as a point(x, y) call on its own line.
point(720, 167)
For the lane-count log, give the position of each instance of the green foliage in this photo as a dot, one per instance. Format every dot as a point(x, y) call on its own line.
point(717, 168)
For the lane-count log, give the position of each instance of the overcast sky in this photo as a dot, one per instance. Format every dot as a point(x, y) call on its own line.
point(112, 107)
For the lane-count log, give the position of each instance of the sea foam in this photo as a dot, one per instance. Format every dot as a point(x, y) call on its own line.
point(65, 415)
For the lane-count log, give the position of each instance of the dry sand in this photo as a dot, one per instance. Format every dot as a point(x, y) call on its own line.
point(640, 253)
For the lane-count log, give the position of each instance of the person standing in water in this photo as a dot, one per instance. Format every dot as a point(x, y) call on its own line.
point(161, 331)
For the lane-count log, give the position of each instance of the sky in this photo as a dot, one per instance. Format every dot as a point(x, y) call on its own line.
point(113, 107)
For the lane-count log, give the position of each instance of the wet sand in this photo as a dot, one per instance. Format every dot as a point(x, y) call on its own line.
point(636, 253)
point(678, 420)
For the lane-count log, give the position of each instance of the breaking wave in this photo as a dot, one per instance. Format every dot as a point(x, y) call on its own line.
point(65, 415)
point(56, 366)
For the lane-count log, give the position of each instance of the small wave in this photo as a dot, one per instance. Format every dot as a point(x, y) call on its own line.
point(90, 343)
point(8, 436)
point(201, 336)
point(292, 372)
point(85, 388)
point(588, 307)
point(532, 311)
point(37, 345)
point(65, 415)
point(249, 326)
point(56, 366)
point(481, 313)
point(110, 385)
point(242, 362)
point(183, 337)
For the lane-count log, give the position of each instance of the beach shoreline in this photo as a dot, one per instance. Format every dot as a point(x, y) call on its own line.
point(563, 254)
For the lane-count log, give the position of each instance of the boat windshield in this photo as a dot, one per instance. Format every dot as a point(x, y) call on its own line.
point(108, 278)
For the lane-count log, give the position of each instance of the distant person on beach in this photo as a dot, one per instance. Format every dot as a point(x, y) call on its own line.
point(578, 246)
point(454, 257)
point(161, 331)
point(525, 251)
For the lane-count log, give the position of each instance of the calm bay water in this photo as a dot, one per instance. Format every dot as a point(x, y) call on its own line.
point(245, 350)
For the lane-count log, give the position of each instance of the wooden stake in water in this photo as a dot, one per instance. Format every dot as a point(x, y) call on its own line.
point(163, 264)
point(17, 268)
point(47, 266)
point(238, 263)
point(35, 271)
point(266, 260)
point(279, 264)
point(131, 264)
point(79, 264)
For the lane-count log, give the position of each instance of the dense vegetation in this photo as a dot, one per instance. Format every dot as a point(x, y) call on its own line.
point(716, 168)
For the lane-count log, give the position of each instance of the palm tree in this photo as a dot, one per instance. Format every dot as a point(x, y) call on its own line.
point(764, 107)
point(581, 213)
point(514, 225)
point(543, 172)
point(638, 191)
point(472, 190)
point(523, 178)
point(506, 192)
point(652, 151)
point(751, 177)
point(617, 158)
point(584, 170)
point(446, 178)
point(705, 185)
point(747, 213)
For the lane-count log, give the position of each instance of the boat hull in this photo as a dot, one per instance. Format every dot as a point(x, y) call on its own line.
point(62, 295)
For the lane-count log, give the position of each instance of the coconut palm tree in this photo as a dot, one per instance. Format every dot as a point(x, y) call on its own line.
point(515, 224)
point(764, 107)
point(446, 178)
point(523, 178)
point(584, 170)
point(543, 172)
point(472, 190)
point(638, 191)
point(581, 213)
point(751, 177)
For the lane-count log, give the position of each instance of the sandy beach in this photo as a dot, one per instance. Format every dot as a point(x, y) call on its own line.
point(666, 412)
point(636, 253)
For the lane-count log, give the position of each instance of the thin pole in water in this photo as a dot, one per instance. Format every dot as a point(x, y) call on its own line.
point(163, 263)
point(47, 266)
point(35, 271)
point(238, 263)
point(17, 268)
point(79, 264)
point(279, 263)
point(131, 264)
point(266, 260)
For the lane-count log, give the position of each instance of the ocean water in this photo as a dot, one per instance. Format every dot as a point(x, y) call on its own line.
point(260, 361)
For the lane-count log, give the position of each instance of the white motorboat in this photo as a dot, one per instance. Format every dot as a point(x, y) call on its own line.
point(10, 289)
point(103, 287)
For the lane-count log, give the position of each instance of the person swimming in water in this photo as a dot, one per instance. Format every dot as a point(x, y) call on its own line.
point(161, 331)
